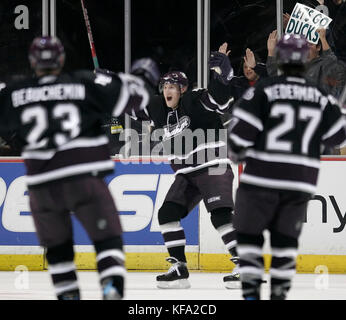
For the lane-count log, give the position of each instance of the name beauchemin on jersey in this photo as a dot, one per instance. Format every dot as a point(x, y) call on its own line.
point(46, 93)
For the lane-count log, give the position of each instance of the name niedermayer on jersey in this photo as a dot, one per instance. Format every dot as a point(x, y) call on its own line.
point(46, 93)
point(295, 92)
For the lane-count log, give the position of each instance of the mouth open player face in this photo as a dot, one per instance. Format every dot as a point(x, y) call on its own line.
point(172, 94)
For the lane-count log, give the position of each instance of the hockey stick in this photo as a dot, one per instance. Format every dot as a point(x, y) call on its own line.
point(90, 36)
point(342, 100)
point(227, 122)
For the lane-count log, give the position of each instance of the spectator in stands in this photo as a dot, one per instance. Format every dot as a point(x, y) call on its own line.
point(252, 70)
point(10, 146)
point(338, 34)
point(323, 67)
point(338, 30)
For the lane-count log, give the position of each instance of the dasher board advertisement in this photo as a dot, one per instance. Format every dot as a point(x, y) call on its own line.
point(138, 188)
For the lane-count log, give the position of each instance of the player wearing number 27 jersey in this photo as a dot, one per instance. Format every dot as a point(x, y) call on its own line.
point(277, 129)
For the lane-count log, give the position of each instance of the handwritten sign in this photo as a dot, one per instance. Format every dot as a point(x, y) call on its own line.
point(305, 21)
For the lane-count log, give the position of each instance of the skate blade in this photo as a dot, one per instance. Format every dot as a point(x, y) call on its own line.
point(111, 293)
point(176, 284)
point(233, 284)
point(112, 296)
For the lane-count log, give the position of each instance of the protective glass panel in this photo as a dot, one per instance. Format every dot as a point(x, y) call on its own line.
point(106, 20)
point(166, 31)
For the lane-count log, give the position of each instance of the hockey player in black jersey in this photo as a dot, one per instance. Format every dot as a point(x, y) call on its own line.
point(57, 117)
point(277, 129)
point(188, 124)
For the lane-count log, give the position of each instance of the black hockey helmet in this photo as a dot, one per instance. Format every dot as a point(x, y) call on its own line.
point(46, 53)
point(292, 49)
point(147, 68)
point(174, 77)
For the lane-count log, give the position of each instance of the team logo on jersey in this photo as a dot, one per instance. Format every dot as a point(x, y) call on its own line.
point(171, 131)
point(249, 93)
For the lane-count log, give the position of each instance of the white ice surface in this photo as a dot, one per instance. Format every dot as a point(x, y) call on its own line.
point(36, 285)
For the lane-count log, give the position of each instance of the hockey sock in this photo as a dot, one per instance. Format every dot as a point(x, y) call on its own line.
point(63, 271)
point(110, 262)
point(174, 238)
point(173, 234)
point(283, 264)
point(221, 219)
point(251, 264)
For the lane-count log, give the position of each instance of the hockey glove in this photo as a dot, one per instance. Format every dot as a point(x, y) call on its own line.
point(220, 63)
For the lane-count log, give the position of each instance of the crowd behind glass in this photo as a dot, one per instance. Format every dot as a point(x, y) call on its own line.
point(172, 43)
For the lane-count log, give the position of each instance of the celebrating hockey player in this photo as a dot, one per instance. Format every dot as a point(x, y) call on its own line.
point(278, 128)
point(190, 129)
point(57, 117)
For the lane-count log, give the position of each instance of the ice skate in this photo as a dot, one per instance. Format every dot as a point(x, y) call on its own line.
point(109, 290)
point(70, 295)
point(232, 281)
point(176, 277)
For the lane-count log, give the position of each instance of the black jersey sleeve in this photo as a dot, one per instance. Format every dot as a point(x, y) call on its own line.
point(333, 124)
point(120, 93)
point(133, 96)
point(261, 69)
point(246, 121)
point(217, 98)
point(153, 111)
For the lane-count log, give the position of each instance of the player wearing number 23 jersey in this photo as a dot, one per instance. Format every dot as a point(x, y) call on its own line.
point(58, 118)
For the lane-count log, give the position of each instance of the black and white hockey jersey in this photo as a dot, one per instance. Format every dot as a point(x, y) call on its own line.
point(192, 135)
point(278, 128)
point(58, 120)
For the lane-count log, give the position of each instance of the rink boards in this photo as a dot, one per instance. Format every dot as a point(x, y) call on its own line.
point(139, 187)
